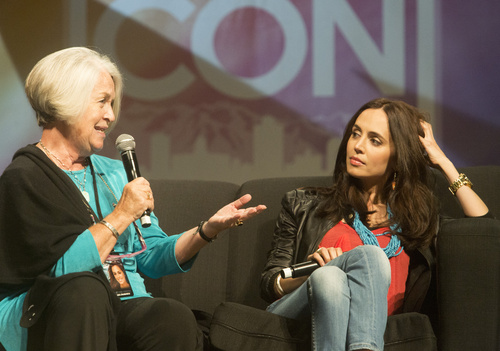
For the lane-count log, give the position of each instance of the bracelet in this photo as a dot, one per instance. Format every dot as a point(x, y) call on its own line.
point(202, 234)
point(460, 182)
point(278, 286)
point(110, 227)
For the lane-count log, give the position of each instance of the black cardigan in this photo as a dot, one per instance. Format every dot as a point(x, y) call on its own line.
point(298, 233)
point(41, 215)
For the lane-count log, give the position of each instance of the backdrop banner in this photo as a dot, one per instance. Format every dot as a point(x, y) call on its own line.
point(234, 90)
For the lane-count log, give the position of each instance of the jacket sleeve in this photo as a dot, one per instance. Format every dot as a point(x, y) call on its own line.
point(283, 246)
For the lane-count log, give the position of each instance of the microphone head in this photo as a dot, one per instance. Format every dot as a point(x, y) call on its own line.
point(125, 142)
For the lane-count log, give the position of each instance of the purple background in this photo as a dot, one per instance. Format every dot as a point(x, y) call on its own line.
point(250, 42)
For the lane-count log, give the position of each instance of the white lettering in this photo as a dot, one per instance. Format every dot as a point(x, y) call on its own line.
point(385, 66)
point(426, 64)
point(105, 36)
point(284, 72)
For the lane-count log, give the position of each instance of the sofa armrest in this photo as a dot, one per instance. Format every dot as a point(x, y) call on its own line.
point(468, 262)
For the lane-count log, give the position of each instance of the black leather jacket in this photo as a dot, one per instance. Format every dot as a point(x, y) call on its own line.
point(299, 231)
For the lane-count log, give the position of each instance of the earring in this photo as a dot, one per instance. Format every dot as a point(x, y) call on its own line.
point(394, 182)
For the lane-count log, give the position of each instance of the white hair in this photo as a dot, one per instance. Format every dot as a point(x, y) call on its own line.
point(59, 85)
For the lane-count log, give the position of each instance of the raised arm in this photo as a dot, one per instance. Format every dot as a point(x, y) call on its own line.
point(471, 203)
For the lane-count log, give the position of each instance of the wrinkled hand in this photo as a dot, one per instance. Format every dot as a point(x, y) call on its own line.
point(229, 215)
point(436, 155)
point(325, 254)
point(137, 197)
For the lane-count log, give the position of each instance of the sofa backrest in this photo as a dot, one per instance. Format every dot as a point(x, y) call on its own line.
point(486, 183)
point(229, 269)
point(181, 205)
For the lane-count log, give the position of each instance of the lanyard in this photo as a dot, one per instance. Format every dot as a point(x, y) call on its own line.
point(113, 256)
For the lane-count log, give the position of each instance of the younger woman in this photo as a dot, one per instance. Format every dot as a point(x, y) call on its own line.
point(364, 231)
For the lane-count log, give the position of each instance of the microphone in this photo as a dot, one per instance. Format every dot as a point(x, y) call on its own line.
point(126, 146)
point(299, 269)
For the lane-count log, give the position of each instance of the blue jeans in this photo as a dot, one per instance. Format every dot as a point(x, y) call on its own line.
point(346, 301)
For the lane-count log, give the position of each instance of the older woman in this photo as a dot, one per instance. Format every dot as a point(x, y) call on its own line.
point(65, 213)
point(364, 230)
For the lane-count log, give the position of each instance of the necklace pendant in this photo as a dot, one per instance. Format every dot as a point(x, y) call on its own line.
point(86, 195)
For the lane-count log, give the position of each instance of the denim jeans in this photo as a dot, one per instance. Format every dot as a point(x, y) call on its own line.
point(346, 301)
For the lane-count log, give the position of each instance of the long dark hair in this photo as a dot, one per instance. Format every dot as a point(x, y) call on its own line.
point(413, 205)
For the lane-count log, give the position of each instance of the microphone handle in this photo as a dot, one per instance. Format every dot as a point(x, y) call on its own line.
point(299, 270)
point(132, 169)
point(130, 164)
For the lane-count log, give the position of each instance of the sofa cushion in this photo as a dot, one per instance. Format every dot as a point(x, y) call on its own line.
point(409, 332)
point(243, 328)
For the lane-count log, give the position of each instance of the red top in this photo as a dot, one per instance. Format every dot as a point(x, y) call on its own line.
point(345, 237)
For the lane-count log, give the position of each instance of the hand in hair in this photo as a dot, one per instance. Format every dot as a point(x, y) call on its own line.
point(436, 155)
point(471, 203)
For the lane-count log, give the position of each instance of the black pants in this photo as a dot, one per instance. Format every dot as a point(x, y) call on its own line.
point(157, 324)
point(79, 317)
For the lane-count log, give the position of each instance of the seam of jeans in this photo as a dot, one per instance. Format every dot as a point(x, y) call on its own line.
point(363, 345)
point(313, 326)
point(373, 326)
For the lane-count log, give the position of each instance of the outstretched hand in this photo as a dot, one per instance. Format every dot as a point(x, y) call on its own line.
point(232, 214)
point(228, 216)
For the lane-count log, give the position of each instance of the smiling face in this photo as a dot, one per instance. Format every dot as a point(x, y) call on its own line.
point(370, 149)
point(88, 133)
point(119, 275)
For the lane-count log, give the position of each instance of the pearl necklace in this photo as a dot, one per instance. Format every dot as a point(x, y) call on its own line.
point(81, 186)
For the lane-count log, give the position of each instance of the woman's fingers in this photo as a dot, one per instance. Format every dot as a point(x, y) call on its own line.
point(325, 254)
point(136, 198)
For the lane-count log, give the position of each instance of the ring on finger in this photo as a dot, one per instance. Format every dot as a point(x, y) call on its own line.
point(239, 222)
point(319, 250)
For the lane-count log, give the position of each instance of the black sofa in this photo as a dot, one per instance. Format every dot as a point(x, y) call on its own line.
point(225, 279)
point(226, 275)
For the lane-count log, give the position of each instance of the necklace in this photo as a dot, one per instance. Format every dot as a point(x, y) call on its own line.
point(394, 247)
point(109, 188)
point(81, 186)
